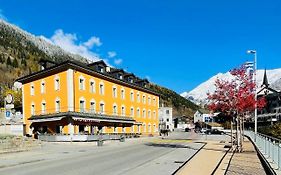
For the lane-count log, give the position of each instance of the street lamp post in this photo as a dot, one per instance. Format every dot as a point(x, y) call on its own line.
point(255, 80)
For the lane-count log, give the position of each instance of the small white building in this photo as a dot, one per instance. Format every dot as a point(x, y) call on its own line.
point(166, 118)
point(202, 115)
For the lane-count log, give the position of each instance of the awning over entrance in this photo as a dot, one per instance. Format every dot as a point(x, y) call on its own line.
point(106, 120)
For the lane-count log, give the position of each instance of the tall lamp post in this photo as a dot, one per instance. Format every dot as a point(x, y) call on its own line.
point(255, 80)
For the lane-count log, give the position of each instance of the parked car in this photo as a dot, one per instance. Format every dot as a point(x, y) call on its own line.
point(203, 130)
point(214, 131)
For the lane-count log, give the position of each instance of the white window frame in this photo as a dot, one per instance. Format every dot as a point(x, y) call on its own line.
point(143, 99)
point(43, 87)
point(43, 107)
point(149, 100)
point(143, 113)
point(154, 114)
point(57, 108)
point(149, 114)
point(149, 127)
point(81, 83)
point(144, 127)
point(154, 101)
point(32, 111)
point(114, 91)
point(132, 111)
point(138, 112)
point(123, 110)
point(92, 107)
point(132, 96)
point(57, 83)
point(138, 97)
point(32, 89)
point(102, 110)
point(122, 93)
point(101, 88)
point(115, 109)
point(92, 86)
point(83, 108)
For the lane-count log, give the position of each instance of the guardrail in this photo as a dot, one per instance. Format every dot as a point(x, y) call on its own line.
point(270, 147)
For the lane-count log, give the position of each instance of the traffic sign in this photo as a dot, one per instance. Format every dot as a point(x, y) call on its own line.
point(8, 114)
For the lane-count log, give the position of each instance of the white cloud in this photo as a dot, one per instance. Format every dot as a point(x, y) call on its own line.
point(70, 43)
point(93, 41)
point(2, 16)
point(118, 61)
point(111, 54)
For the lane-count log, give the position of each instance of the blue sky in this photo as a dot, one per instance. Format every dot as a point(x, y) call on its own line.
point(176, 44)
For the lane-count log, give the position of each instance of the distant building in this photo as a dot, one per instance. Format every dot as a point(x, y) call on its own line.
point(166, 118)
point(272, 111)
point(202, 115)
point(181, 122)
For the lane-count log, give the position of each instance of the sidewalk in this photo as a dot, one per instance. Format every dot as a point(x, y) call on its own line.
point(213, 158)
point(206, 160)
point(246, 163)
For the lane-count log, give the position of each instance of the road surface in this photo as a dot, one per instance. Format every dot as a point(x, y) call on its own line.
point(134, 156)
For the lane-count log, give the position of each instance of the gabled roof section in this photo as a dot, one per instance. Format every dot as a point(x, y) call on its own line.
point(100, 62)
point(117, 71)
point(203, 111)
point(266, 90)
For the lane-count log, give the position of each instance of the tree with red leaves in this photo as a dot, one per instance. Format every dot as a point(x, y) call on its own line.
point(235, 97)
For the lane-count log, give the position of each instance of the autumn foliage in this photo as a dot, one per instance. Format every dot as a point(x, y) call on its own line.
point(235, 96)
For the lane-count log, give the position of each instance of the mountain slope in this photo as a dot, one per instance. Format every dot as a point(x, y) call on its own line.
point(199, 94)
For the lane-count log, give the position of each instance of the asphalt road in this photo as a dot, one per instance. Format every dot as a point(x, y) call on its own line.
point(134, 156)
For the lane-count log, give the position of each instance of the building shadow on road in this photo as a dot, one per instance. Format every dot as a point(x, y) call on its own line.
point(170, 145)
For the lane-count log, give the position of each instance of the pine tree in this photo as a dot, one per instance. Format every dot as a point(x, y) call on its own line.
point(15, 63)
point(23, 62)
point(9, 62)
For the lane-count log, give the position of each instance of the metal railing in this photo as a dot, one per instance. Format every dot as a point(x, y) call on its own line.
point(269, 146)
point(84, 137)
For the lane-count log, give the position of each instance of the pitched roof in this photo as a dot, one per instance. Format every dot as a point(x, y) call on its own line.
point(265, 80)
point(76, 65)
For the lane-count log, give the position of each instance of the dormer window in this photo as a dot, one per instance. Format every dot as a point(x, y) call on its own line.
point(101, 69)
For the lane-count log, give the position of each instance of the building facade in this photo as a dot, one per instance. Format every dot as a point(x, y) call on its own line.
point(166, 118)
point(271, 113)
point(202, 115)
point(75, 98)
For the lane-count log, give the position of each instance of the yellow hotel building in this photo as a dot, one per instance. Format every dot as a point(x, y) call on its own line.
point(75, 98)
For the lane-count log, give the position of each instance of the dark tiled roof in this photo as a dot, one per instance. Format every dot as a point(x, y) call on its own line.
point(76, 65)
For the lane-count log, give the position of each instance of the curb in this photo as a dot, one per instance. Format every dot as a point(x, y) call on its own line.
point(222, 159)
